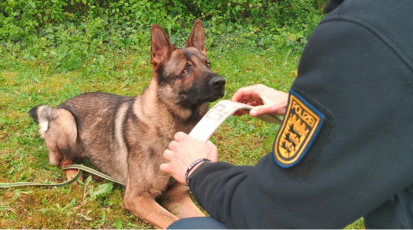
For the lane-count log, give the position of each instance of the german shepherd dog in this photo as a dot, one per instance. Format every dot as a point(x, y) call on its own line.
point(125, 137)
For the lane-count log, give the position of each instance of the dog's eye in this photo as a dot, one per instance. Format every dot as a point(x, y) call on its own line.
point(185, 71)
point(208, 64)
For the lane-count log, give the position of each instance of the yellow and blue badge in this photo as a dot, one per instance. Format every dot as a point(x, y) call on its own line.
point(301, 125)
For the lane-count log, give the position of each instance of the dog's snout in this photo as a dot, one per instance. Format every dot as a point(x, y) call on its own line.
point(217, 82)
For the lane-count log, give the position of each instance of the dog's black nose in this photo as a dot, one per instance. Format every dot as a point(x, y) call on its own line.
point(217, 82)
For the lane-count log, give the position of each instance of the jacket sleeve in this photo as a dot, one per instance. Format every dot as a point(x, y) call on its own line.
point(362, 82)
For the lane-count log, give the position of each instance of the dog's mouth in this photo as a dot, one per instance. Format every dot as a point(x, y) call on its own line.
point(216, 96)
point(212, 99)
point(203, 93)
point(195, 100)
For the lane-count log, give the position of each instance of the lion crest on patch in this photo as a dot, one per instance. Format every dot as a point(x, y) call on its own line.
point(301, 125)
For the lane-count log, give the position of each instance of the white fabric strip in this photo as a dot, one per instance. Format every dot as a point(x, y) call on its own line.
point(218, 114)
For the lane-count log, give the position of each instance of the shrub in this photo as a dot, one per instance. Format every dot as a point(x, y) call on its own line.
point(71, 29)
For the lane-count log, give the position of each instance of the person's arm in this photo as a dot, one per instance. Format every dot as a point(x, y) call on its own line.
point(358, 160)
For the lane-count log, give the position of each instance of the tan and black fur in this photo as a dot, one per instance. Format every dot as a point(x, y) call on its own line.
point(125, 137)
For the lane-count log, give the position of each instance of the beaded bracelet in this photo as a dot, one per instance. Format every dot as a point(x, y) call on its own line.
point(191, 166)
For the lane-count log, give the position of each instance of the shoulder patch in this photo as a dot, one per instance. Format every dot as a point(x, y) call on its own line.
point(300, 127)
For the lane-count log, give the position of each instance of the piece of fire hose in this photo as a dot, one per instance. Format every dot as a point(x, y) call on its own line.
point(218, 114)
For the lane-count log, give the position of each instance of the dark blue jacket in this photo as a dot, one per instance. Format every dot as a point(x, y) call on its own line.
point(356, 75)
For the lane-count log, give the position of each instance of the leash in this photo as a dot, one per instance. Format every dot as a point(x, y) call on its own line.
point(94, 172)
point(25, 184)
point(80, 169)
point(202, 131)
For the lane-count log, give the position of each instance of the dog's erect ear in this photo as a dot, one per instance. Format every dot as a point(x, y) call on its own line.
point(161, 47)
point(197, 37)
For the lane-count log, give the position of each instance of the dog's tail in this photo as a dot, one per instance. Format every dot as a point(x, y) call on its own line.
point(41, 115)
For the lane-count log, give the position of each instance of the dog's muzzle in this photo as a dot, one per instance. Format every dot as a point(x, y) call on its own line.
point(217, 82)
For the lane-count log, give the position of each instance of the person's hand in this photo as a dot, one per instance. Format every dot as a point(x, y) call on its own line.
point(265, 100)
point(183, 151)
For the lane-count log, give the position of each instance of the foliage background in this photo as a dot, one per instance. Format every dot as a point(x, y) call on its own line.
point(66, 32)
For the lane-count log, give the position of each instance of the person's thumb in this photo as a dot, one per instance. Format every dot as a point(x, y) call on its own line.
point(257, 111)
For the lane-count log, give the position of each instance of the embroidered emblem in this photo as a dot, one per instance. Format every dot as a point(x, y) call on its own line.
point(301, 125)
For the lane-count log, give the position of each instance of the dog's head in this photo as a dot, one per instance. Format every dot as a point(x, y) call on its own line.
point(184, 76)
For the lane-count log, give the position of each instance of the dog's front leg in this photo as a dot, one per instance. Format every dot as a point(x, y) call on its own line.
point(70, 173)
point(144, 206)
point(178, 201)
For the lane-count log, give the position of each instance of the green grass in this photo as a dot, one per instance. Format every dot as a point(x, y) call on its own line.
point(96, 203)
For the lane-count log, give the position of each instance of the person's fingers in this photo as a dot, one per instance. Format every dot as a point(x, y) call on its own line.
point(253, 103)
point(256, 111)
point(262, 109)
point(249, 95)
point(179, 136)
point(244, 94)
point(239, 112)
point(168, 154)
point(166, 168)
point(240, 94)
point(172, 145)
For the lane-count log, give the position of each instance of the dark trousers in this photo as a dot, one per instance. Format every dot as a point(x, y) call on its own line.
point(197, 223)
point(396, 212)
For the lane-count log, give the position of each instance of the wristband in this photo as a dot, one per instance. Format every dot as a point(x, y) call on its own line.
point(191, 166)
